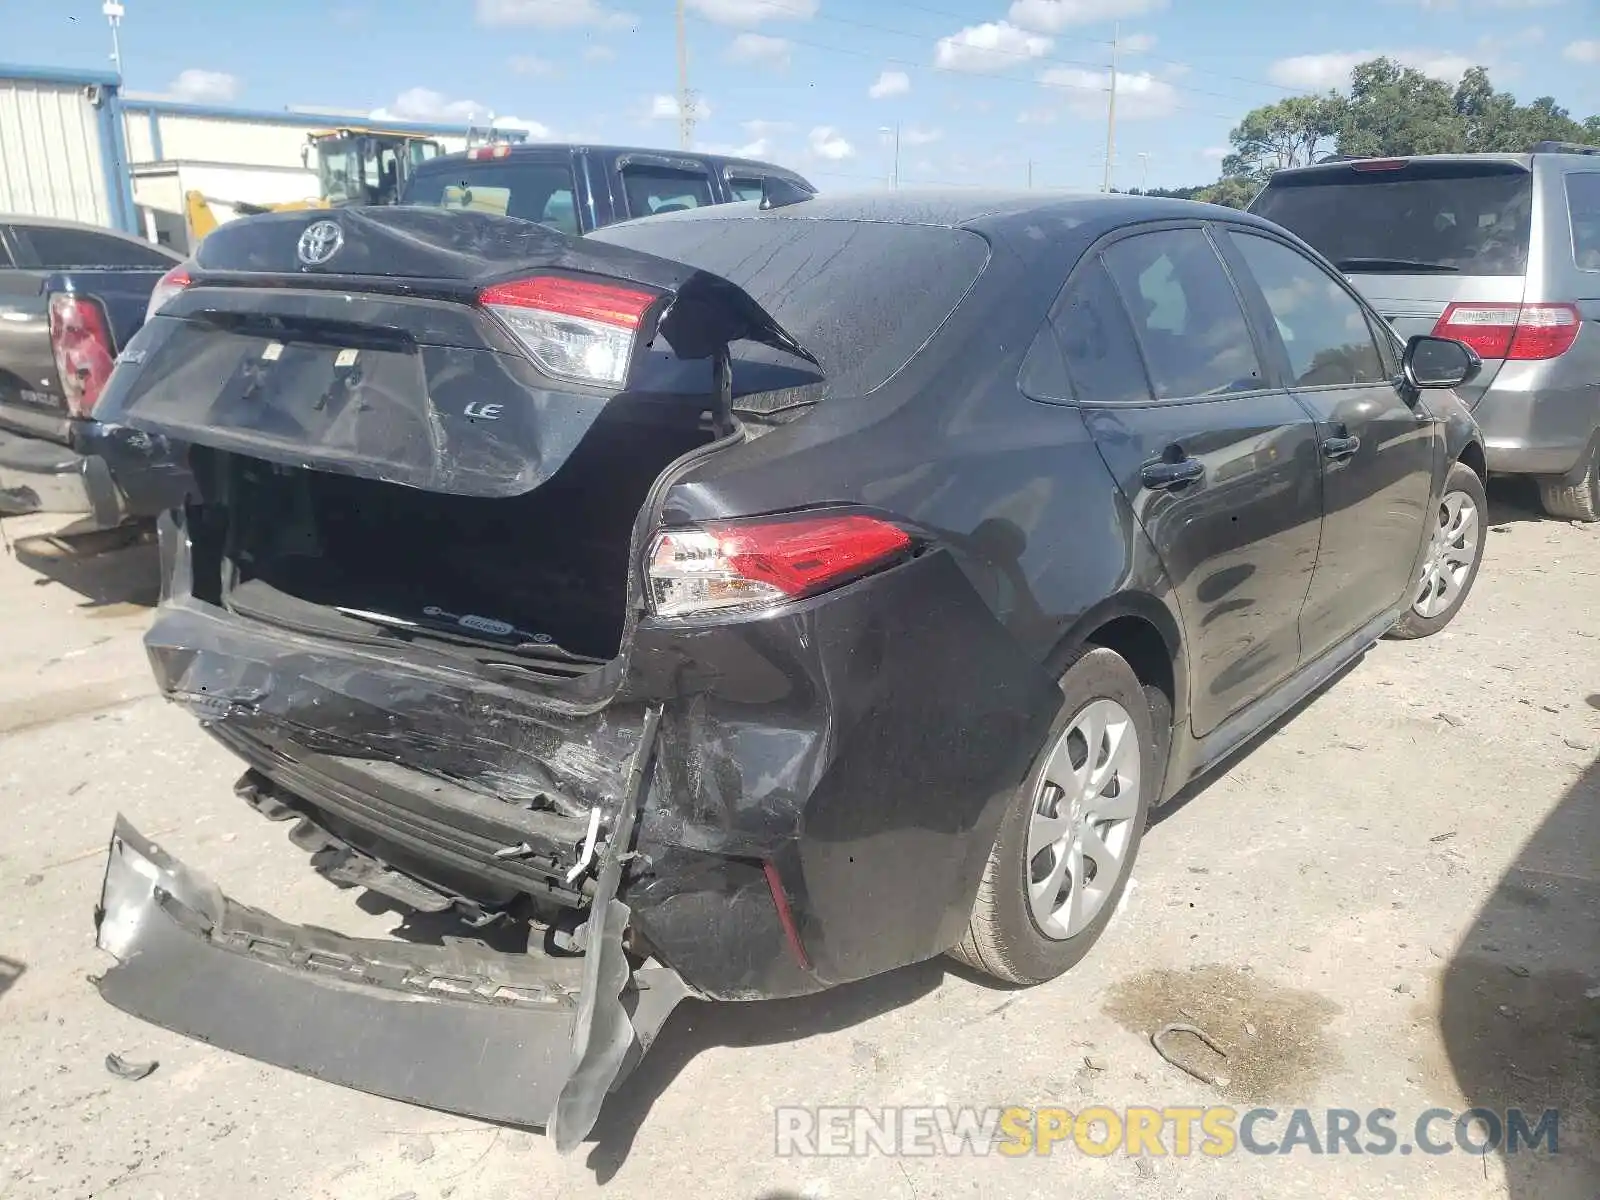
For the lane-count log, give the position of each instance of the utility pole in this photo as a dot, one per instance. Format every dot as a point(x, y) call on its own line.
point(1030, 174)
point(685, 100)
point(1111, 110)
point(1144, 171)
point(113, 11)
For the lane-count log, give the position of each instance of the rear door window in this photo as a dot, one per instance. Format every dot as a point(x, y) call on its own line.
point(1186, 316)
point(541, 192)
point(1583, 204)
point(744, 187)
point(861, 296)
point(652, 189)
point(1324, 331)
point(1087, 351)
point(1452, 217)
point(61, 249)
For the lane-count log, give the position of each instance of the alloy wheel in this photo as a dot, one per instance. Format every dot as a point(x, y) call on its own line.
point(1451, 551)
point(1082, 822)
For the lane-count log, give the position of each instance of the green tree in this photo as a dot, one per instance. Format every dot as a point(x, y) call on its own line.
point(1396, 110)
point(1232, 191)
point(1291, 133)
point(1495, 121)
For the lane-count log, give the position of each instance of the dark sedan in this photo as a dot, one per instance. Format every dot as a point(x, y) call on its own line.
point(747, 600)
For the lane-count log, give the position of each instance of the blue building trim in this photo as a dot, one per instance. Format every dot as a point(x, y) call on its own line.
point(174, 108)
point(58, 75)
point(114, 171)
point(124, 161)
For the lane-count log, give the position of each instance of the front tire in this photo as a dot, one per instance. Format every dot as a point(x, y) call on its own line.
point(1455, 552)
point(1578, 500)
point(1068, 841)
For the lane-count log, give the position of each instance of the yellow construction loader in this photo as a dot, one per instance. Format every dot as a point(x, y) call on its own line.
point(355, 165)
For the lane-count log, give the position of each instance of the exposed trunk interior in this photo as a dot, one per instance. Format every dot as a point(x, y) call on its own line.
point(543, 575)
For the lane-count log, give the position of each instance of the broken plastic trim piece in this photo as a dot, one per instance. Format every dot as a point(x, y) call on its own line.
point(549, 1036)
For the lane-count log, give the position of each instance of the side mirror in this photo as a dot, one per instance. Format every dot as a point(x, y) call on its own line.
point(1436, 362)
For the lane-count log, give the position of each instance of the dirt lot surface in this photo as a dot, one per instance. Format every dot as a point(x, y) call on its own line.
point(1391, 902)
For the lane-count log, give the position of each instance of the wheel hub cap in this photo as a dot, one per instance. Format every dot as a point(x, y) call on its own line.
point(1084, 805)
point(1451, 550)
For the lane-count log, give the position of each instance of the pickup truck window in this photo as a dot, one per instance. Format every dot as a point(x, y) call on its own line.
point(58, 249)
point(660, 189)
point(529, 191)
point(744, 187)
point(64, 248)
point(5, 254)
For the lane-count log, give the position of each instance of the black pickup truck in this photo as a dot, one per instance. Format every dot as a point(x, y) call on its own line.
point(577, 189)
point(71, 295)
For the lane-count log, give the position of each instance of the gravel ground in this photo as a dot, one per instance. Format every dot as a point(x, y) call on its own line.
point(1391, 902)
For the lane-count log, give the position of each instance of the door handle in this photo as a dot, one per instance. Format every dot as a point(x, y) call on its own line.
point(1340, 448)
point(1160, 476)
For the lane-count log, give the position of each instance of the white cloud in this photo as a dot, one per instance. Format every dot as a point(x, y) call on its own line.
point(1582, 52)
point(758, 128)
point(918, 135)
point(759, 48)
point(1038, 116)
point(1139, 94)
point(1320, 71)
point(827, 142)
point(598, 54)
point(1217, 153)
point(1052, 16)
point(532, 64)
point(752, 12)
point(890, 83)
point(195, 86)
point(425, 104)
point(1139, 43)
point(665, 108)
point(551, 14)
point(759, 148)
point(993, 46)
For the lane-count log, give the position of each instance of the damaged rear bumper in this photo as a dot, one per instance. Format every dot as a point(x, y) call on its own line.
point(529, 1039)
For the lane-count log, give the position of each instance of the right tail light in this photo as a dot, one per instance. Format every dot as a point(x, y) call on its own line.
point(1519, 332)
point(732, 565)
point(168, 286)
point(80, 340)
point(577, 329)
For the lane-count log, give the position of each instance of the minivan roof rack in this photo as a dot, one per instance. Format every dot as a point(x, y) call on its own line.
point(1554, 147)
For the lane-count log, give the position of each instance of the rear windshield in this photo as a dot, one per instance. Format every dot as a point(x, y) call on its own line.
point(529, 191)
point(861, 296)
point(1458, 218)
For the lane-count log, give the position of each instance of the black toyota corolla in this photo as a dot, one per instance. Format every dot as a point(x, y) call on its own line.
point(744, 601)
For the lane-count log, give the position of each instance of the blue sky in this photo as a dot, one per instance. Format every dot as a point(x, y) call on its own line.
point(978, 88)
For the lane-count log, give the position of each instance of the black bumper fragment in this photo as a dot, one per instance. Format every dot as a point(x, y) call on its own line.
point(530, 1040)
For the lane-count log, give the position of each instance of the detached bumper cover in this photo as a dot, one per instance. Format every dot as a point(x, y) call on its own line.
point(524, 1039)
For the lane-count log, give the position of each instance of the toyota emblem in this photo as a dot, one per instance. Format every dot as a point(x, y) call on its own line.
point(319, 243)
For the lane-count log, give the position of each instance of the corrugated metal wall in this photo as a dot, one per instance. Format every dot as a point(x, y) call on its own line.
point(52, 162)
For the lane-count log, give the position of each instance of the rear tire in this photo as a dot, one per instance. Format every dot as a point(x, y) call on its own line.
point(1023, 929)
point(1574, 501)
point(1444, 585)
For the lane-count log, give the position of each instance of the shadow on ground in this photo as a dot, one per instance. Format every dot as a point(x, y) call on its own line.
point(114, 570)
point(1520, 1006)
point(698, 1026)
point(1514, 499)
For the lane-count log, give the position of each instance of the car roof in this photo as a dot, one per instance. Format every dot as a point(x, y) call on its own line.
point(84, 226)
point(983, 210)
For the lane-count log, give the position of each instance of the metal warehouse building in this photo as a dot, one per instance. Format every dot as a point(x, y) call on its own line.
point(73, 145)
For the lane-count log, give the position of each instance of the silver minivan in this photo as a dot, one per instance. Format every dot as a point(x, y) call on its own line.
point(1500, 251)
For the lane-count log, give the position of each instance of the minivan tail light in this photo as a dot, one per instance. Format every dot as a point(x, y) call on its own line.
point(574, 329)
point(1519, 332)
point(168, 286)
point(501, 150)
point(1380, 164)
point(80, 340)
point(754, 564)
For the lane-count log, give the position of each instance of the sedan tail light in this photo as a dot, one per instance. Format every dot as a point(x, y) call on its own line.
point(755, 564)
point(80, 339)
point(1520, 332)
point(168, 286)
point(574, 329)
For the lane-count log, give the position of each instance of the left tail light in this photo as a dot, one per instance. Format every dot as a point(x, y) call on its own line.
point(170, 284)
point(80, 338)
point(574, 329)
point(1517, 332)
point(755, 564)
